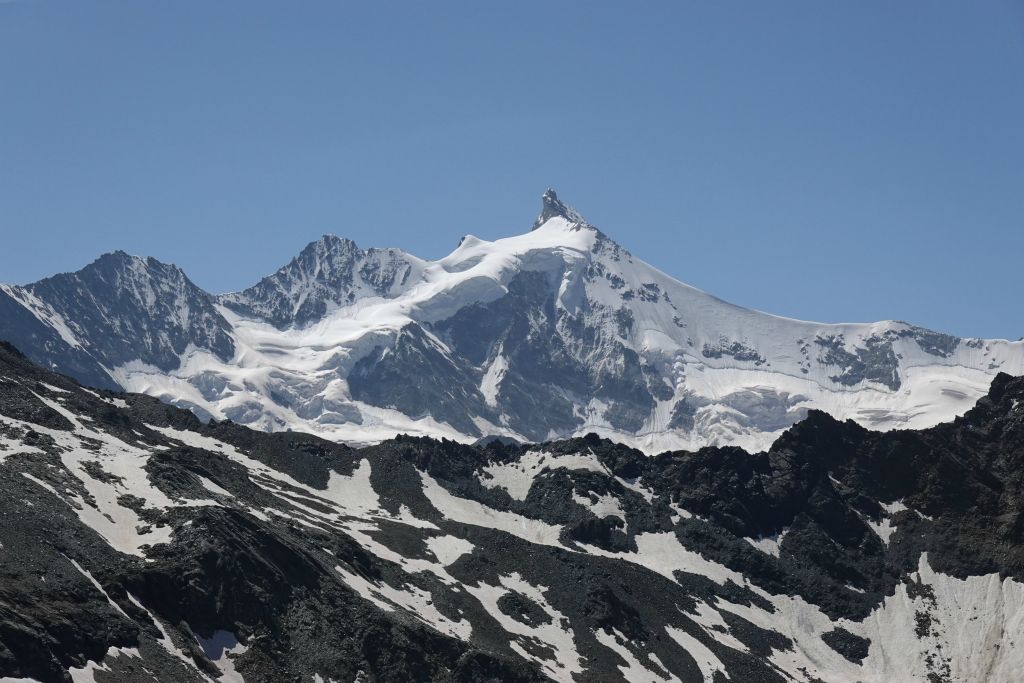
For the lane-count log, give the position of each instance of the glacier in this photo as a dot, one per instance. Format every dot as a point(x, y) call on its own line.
point(550, 334)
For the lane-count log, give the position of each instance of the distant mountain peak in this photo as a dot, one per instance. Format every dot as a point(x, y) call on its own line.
point(330, 240)
point(329, 246)
point(329, 272)
point(553, 207)
point(114, 267)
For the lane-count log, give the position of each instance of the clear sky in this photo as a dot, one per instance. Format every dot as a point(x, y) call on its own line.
point(833, 161)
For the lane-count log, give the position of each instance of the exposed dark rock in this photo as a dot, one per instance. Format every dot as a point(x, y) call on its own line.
point(522, 608)
point(735, 349)
point(874, 362)
point(272, 545)
point(851, 646)
point(337, 270)
point(553, 207)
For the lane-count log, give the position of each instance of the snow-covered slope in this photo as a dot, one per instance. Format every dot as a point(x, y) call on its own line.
point(553, 333)
point(139, 542)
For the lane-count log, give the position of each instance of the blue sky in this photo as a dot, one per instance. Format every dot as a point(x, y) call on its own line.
point(827, 161)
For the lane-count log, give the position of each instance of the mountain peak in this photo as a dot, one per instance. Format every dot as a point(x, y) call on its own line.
point(329, 272)
point(116, 266)
point(328, 245)
point(553, 207)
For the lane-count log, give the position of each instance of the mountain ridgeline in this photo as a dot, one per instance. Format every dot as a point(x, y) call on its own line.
point(555, 333)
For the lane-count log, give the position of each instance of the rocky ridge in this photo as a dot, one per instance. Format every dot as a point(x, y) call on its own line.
point(139, 542)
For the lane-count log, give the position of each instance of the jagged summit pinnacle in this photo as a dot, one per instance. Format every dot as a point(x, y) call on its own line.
point(328, 242)
point(553, 206)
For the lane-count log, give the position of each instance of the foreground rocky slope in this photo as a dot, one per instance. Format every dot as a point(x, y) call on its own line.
point(139, 544)
point(555, 333)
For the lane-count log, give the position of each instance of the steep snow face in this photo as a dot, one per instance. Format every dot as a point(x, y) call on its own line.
point(549, 334)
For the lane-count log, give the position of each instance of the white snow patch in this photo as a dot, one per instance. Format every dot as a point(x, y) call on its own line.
point(517, 477)
point(607, 505)
point(87, 673)
point(448, 549)
point(886, 528)
point(9, 446)
point(213, 487)
point(491, 381)
point(634, 670)
point(635, 486)
point(976, 624)
point(706, 660)
point(768, 544)
point(976, 629)
point(410, 598)
point(471, 512)
point(679, 513)
point(557, 634)
point(662, 552)
point(121, 527)
point(894, 507)
point(715, 626)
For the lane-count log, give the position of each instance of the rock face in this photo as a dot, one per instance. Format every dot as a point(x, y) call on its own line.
point(330, 273)
point(118, 310)
point(138, 543)
point(555, 333)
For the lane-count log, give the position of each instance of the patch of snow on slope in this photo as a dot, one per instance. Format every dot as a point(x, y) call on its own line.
point(350, 495)
point(715, 626)
point(557, 633)
point(606, 505)
point(492, 379)
point(885, 528)
point(894, 507)
point(9, 446)
point(517, 477)
point(123, 472)
point(448, 549)
point(706, 660)
point(662, 552)
point(971, 634)
point(471, 512)
point(634, 670)
point(974, 627)
point(410, 598)
point(768, 544)
point(44, 313)
point(87, 673)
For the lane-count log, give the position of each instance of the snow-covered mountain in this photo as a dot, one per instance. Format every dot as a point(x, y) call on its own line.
point(553, 333)
point(138, 544)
